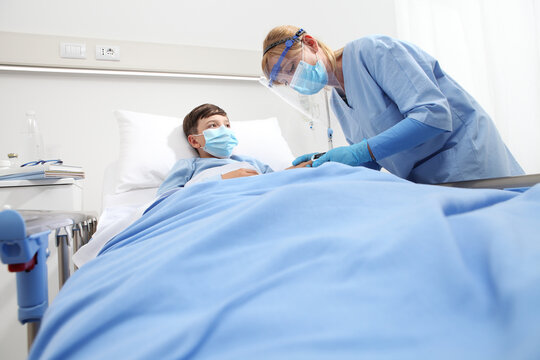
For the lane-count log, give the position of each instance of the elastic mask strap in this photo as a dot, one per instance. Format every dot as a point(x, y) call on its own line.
point(316, 56)
point(288, 44)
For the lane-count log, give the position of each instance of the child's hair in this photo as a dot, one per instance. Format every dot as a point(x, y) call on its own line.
point(200, 112)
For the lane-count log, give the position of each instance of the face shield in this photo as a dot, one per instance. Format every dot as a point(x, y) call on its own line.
point(314, 108)
point(294, 71)
point(303, 86)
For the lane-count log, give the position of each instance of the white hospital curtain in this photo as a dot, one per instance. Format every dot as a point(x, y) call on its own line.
point(492, 48)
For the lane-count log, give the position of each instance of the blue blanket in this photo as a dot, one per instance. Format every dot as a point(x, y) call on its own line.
point(327, 263)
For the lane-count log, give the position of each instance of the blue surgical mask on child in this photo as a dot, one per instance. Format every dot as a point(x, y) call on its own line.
point(220, 142)
point(309, 79)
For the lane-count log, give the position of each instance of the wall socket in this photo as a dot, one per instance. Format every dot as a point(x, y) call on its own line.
point(107, 52)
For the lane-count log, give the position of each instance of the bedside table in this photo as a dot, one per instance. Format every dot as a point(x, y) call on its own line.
point(44, 194)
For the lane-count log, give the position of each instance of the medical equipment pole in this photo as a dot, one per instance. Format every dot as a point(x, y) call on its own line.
point(77, 237)
point(63, 240)
point(32, 329)
point(93, 228)
point(86, 232)
point(329, 131)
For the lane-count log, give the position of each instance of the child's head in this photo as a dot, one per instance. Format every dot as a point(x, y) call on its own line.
point(208, 117)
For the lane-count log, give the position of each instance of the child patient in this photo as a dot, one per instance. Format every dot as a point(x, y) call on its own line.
point(208, 131)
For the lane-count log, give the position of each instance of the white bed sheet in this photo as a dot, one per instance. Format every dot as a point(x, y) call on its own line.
point(119, 211)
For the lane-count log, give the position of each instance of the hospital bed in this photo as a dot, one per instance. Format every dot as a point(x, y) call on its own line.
point(334, 262)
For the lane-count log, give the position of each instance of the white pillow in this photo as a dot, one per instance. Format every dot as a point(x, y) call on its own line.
point(151, 144)
point(262, 140)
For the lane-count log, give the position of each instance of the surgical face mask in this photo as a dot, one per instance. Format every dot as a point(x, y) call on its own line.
point(309, 79)
point(220, 142)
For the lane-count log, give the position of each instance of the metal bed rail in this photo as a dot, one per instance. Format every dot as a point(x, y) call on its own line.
point(504, 183)
point(24, 239)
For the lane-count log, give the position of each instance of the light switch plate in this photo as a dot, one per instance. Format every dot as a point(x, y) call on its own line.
point(73, 50)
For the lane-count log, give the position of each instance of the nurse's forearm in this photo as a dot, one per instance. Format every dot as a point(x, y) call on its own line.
point(406, 134)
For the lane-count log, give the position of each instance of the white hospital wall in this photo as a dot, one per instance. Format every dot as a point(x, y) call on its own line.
point(75, 111)
point(235, 24)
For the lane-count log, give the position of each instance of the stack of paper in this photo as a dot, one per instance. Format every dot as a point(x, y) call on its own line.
point(46, 171)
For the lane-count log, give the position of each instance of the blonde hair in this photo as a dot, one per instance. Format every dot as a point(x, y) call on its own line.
point(282, 32)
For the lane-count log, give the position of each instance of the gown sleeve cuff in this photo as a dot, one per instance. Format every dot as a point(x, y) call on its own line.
point(406, 134)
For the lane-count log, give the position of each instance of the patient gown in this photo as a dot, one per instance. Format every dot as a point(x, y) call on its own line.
point(187, 169)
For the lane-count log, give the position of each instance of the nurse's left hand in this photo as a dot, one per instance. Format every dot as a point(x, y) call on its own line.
point(302, 159)
point(353, 155)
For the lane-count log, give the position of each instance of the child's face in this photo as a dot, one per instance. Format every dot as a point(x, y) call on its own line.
point(212, 122)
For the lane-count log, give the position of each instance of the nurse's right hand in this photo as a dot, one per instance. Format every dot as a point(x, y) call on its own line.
point(353, 155)
point(302, 159)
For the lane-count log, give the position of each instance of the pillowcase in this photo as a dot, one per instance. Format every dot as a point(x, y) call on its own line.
point(151, 144)
point(262, 140)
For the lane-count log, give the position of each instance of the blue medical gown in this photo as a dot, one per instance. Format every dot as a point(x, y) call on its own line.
point(387, 80)
point(185, 169)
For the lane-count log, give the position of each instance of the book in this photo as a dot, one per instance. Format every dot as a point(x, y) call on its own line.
point(45, 171)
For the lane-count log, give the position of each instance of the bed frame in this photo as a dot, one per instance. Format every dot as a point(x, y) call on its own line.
point(519, 183)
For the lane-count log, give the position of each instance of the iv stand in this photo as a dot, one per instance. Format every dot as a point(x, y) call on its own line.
point(329, 130)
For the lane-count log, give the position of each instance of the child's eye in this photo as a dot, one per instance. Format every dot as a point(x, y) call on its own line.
point(228, 125)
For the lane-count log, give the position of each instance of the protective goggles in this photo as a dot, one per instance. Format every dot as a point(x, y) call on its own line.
point(42, 162)
point(289, 42)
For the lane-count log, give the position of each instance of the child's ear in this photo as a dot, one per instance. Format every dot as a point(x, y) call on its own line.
point(192, 140)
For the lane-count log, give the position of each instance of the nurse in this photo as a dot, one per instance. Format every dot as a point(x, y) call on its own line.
point(397, 107)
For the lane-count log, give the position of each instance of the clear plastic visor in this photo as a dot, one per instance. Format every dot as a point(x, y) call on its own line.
point(282, 74)
point(305, 76)
point(313, 107)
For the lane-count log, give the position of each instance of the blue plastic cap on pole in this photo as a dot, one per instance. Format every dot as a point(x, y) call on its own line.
point(18, 249)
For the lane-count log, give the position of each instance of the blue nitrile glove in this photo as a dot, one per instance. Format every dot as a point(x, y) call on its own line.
point(303, 158)
point(353, 155)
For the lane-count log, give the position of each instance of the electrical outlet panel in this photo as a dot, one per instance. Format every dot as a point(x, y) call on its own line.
point(107, 52)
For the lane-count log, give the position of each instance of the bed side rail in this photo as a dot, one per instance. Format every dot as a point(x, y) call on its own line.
point(522, 182)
